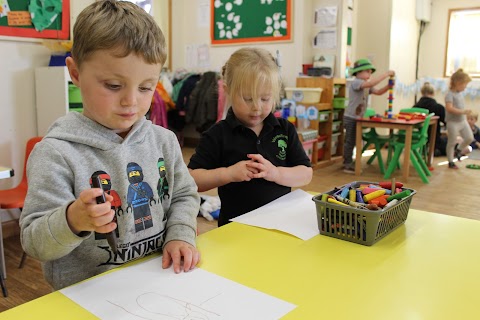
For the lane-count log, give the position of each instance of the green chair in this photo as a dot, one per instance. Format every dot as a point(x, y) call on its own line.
point(416, 132)
point(414, 110)
point(419, 142)
point(372, 137)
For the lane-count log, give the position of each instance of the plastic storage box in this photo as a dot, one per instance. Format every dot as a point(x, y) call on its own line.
point(323, 115)
point(308, 147)
point(304, 95)
point(340, 103)
point(336, 126)
point(334, 145)
point(321, 146)
point(336, 115)
point(359, 225)
point(74, 98)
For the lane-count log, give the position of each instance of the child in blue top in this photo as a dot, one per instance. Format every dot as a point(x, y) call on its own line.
point(358, 93)
point(251, 156)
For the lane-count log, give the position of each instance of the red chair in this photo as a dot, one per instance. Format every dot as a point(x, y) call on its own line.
point(14, 198)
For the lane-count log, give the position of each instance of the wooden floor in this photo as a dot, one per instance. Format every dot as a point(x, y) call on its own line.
point(452, 192)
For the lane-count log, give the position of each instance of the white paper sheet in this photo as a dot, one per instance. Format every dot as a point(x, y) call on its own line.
point(325, 39)
point(146, 291)
point(5, 172)
point(326, 16)
point(294, 213)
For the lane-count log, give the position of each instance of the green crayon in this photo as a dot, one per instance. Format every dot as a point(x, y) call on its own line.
point(399, 195)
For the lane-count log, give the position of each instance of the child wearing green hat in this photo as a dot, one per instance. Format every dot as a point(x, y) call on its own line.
point(359, 89)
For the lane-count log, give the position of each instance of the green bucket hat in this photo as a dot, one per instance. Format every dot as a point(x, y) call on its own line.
point(360, 65)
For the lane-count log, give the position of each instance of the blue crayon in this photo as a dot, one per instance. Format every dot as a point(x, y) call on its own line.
point(360, 196)
point(344, 192)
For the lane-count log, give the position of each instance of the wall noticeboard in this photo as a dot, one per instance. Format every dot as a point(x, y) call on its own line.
point(250, 21)
point(15, 20)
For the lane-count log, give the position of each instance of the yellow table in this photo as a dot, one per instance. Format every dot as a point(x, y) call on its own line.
point(425, 269)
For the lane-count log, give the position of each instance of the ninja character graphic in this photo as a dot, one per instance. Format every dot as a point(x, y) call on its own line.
point(116, 203)
point(162, 186)
point(139, 197)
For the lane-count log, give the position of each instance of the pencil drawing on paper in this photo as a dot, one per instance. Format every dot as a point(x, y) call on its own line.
point(157, 306)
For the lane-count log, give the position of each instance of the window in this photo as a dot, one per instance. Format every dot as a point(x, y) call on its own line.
point(463, 47)
point(145, 4)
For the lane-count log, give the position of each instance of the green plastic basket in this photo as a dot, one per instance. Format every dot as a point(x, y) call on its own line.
point(339, 103)
point(74, 95)
point(359, 225)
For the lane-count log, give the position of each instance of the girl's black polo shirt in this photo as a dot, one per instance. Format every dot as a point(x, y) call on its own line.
point(229, 141)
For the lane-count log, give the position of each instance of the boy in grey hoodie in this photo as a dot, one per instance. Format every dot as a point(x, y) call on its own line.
point(151, 199)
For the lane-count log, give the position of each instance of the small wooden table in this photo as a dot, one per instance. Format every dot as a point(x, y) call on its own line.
point(392, 124)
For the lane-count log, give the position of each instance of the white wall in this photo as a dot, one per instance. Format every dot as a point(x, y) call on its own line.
point(18, 117)
point(403, 49)
point(186, 31)
point(372, 38)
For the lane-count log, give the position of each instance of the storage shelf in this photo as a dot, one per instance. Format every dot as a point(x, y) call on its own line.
point(324, 127)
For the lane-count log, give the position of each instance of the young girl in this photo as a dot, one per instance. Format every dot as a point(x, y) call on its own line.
point(456, 117)
point(251, 156)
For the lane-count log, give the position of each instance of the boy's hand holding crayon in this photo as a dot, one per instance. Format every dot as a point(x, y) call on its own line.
point(84, 214)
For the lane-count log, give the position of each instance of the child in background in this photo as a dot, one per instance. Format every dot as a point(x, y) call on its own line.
point(117, 56)
point(472, 118)
point(251, 156)
point(427, 101)
point(359, 90)
point(456, 117)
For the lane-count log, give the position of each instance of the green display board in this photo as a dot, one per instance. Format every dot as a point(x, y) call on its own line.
point(250, 21)
point(51, 18)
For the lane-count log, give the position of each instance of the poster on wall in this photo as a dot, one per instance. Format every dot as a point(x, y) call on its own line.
point(35, 19)
point(240, 21)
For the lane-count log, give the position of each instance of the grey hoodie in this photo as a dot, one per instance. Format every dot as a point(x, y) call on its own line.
point(155, 198)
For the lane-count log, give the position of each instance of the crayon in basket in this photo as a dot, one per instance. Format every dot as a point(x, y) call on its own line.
point(357, 204)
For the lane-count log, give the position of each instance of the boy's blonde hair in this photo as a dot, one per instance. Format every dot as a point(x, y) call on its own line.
point(247, 69)
point(427, 89)
point(459, 76)
point(473, 115)
point(120, 26)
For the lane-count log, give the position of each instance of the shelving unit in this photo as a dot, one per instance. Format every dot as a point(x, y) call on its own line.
point(51, 92)
point(325, 127)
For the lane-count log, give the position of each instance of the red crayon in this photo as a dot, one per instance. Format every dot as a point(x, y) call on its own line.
point(388, 184)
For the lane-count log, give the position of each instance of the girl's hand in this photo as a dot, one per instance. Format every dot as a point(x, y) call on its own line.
point(181, 254)
point(264, 167)
point(241, 171)
point(84, 214)
point(467, 112)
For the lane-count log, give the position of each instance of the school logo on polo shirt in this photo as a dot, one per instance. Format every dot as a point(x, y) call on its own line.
point(281, 142)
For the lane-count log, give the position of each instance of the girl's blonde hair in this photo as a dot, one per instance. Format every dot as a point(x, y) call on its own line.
point(459, 77)
point(120, 26)
point(427, 89)
point(248, 69)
